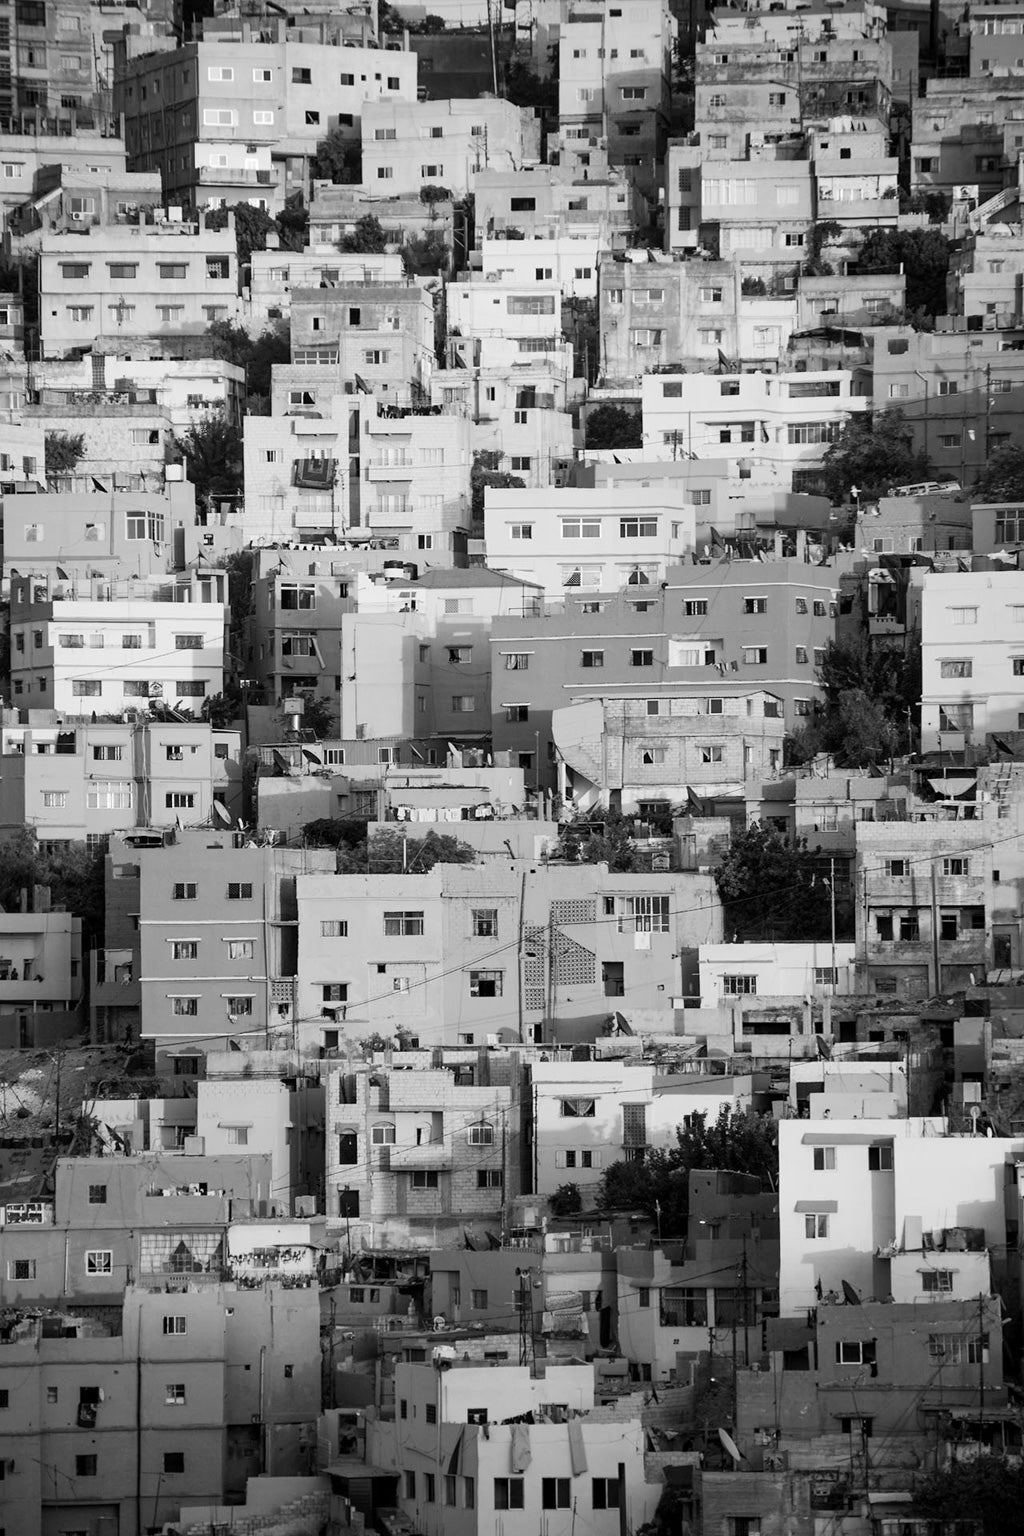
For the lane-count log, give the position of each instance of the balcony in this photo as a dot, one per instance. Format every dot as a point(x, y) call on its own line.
point(429, 1155)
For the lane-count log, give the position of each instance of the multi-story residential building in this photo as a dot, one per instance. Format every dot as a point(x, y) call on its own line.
point(335, 212)
point(109, 531)
point(179, 391)
point(958, 136)
point(446, 1420)
point(855, 174)
point(217, 958)
point(778, 426)
point(495, 322)
point(614, 77)
point(669, 314)
point(520, 413)
point(357, 467)
point(80, 782)
point(613, 750)
point(237, 117)
point(65, 197)
point(125, 431)
point(971, 679)
point(159, 641)
point(728, 971)
point(42, 979)
point(601, 540)
point(408, 144)
point(708, 639)
point(112, 282)
point(926, 893)
point(418, 1155)
point(850, 300)
point(80, 1440)
point(570, 260)
point(29, 145)
point(378, 336)
point(897, 1208)
point(273, 273)
point(589, 200)
point(984, 282)
point(434, 955)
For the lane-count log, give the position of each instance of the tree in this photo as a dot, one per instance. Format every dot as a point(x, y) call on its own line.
point(338, 159)
point(603, 837)
point(234, 344)
point(525, 88)
point(427, 255)
point(64, 452)
point(856, 732)
point(738, 1141)
point(613, 426)
point(335, 832)
point(319, 717)
point(987, 1488)
point(251, 228)
point(212, 451)
point(566, 1200)
point(74, 875)
point(770, 890)
point(484, 473)
point(368, 237)
point(923, 254)
point(1002, 479)
point(389, 852)
point(293, 224)
point(430, 193)
point(869, 695)
point(221, 710)
point(873, 452)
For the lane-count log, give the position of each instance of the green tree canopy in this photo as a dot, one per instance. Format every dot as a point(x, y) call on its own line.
point(368, 237)
point(738, 1141)
point(771, 889)
point(923, 254)
point(427, 255)
point(989, 1489)
point(338, 158)
point(212, 451)
point(613, 426)
point(1002, 479)
point(873, 452)
point(388, 851)
point(257, 355)
point(484, 473)
point(74, 875)
point(64, 452)
point(870, 694)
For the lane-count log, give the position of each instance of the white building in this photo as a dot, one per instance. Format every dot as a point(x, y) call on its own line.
point(521, 415)
point(408, 144)
point(776, 426)
point(117, 645)
point(495, 322)
point(732, 971)
point(570, 261)
point(972, 656)
point(274, 273)
point(596, 540)
point(896, 1208)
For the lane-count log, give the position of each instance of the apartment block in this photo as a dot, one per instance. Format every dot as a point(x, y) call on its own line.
point(614, 74)
point(587, 200)
point(42, 978)
point(112, 532)
point(569, 260)
point(65, 197)
point(427, 955)
point(643, 755)
point(959, 131)
point(217, 955)
point(110, 283)
point(80, 782)
point(703, 644)
point(408, 144)
point(986, 274)
point(601, 540)
point(495, 322)
point(335, 211)
point(160, 641)
point(189, 112)
point(30, 145)
point(80, 1438)
point(274, 273)
point(379, 335)
point(358, 468)
point(777, 427)
point(521, 416)
point(178, 391)
point(971, 678)
point(884, 1207)
point(418, 1155)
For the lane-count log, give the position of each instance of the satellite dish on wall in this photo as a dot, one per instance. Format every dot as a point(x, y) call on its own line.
point(730, 1445)
point(849, 1294)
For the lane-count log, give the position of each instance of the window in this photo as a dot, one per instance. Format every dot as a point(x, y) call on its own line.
point(174, 1462)
point(55, 799)
point(485, 922)
point(815, 1225)
point(556, 1493)
point(478, 1303)
point(463, 704)
point(937, 1280)
point(508, 1493)
point(185, 1007)
point(824, 1159)
point(960, 868)
point(184, 891)
point(240, 890)
point(174, 1324)
point(403, 924)
point(520, 531)
point(638, 527)
point(517, 661)
point(333, 928)
point(880, 1158)
point(641, 658)
point(174, 1394)
point(20, 1269)
point(581, 527)
point(578, 1109)
point(382, 1135)
point(605, 1493)
point(97, 1194)
point(592, 658)
point(185, 949)
point(425, 1179)
point(99, 1261)
point(489, 1178)
point(826, 975)
point(188, 642)
point(486, 983)
point(86, 688)
point(85, 1466)
point(179, 800)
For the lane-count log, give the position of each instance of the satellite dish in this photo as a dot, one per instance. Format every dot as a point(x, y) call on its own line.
point(730, 1445)
point(849, 1294)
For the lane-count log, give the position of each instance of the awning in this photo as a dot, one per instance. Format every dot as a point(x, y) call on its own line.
point(816, 1207)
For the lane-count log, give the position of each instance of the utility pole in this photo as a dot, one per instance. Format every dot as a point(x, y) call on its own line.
point(743, 1303)
point(981, 1365)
